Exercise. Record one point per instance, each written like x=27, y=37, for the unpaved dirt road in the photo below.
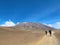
x=47, y=40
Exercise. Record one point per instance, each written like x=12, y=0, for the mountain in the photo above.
x=32, y=26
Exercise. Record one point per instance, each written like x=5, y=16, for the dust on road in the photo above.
x=47, y=40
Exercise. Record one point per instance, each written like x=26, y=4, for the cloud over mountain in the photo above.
x=55, y=25
x=8, y=23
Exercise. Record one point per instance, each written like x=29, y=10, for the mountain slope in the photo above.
x=32, y=26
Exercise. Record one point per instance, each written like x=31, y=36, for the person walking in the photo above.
x=46, y=32
x=50, y=32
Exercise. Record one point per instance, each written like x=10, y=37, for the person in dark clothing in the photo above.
x=46, y=32
x=50, y=32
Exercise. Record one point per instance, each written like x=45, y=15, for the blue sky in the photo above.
x=44, y=11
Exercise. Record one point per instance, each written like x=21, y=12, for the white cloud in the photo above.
x=50, y=25
x=8, y=23
x=55, y=25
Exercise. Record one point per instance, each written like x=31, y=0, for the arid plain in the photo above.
x=12, y=36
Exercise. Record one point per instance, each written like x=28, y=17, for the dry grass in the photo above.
x=9, y=36
x=19, y=37
x=57, y=34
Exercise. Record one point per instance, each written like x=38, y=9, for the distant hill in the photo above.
x=32, y=26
